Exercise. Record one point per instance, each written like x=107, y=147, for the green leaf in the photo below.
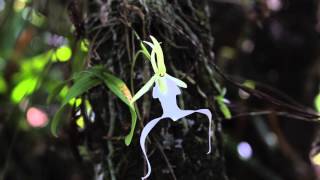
x=133, y=113
x=89, y=78
x=55, y=92
x=56, y=120
x=137, y=55
x=120, y=89
x=144, y=89
x=223, y=107
x=145, y=50
x=81, y=85
x=223, y=92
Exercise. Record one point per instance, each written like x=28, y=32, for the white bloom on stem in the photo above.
x=170, y=110
x=166, y=89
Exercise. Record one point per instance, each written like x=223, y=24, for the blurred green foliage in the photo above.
x=40, y=58
x=34, y=57
x=37, y=52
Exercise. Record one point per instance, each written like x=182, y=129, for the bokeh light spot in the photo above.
x=63, y=53
x=75, y=101
x=36, y=117
x=271, y=139
x=243, y=94
x=24, y=88
x=247, y=46
x=80, y=122
x=316, y=159
x=274, y=5
x=244, y=150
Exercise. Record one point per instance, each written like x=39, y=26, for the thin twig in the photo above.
x=165, y=158
x=268, y=112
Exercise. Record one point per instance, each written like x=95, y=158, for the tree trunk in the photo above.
x=177, y=150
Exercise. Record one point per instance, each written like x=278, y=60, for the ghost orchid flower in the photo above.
x=159, y=68
x=166, y=89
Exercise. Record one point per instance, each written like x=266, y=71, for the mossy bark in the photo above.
x=177, y=150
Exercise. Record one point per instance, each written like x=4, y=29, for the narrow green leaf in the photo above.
x=144, y=89
x=55, y=92
x=225, y=110
x=81, y=85
x=223, y=107
x=57, y=118
x=95, y=71
x=92, y=77
x=137, y=55
x=223, y=92
x=116, y=85
x=145, y=51
x=120, y=89
x=128, y=138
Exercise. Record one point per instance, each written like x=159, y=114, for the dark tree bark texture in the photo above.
x=176, y=150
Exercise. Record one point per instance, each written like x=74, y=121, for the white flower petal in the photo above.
x=179, y=82
x=209, y=115
x=143, y=137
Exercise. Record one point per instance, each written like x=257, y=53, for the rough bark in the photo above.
x=176, y=150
